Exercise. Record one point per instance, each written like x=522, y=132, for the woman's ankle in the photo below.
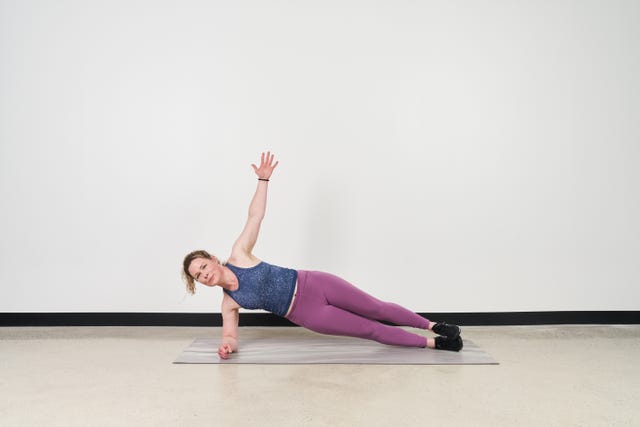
x=430, y=325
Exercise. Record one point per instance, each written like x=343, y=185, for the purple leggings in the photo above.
x=330, y=305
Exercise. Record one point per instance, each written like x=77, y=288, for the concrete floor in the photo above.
x=108, y=376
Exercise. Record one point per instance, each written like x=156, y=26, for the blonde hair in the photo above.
x=186, y=276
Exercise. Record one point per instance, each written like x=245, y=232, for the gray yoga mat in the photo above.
x=323, y=349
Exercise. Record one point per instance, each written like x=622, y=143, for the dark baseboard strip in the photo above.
x=266, y=319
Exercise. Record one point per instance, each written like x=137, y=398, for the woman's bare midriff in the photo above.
x=295, y=290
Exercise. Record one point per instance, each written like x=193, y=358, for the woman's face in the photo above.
x=206, y=271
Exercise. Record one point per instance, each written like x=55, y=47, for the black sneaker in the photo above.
x=447, y=344
x=444, y=329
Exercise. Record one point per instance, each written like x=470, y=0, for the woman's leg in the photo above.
x=330, y=320
x=342, y=294
x=312, y=310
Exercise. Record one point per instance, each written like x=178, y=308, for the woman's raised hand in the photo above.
x=266, y=166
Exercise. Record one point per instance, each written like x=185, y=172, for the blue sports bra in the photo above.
x=264, y=286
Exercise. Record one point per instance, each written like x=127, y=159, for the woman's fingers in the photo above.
x=224, y=350
x=266, y=163
x=270, y=158
x=266, y=159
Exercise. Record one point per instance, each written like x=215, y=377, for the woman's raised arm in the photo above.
x=247, y=239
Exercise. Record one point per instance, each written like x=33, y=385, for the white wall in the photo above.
x=468, y=156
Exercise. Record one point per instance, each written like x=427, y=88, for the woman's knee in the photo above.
x=350, y=326
x=380, y=309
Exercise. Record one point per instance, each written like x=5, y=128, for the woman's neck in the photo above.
x=229, y=280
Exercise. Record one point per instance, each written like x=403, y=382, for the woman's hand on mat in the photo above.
x=224, y=351
x=266, y=165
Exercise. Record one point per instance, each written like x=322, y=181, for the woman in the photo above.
x=318, y=301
